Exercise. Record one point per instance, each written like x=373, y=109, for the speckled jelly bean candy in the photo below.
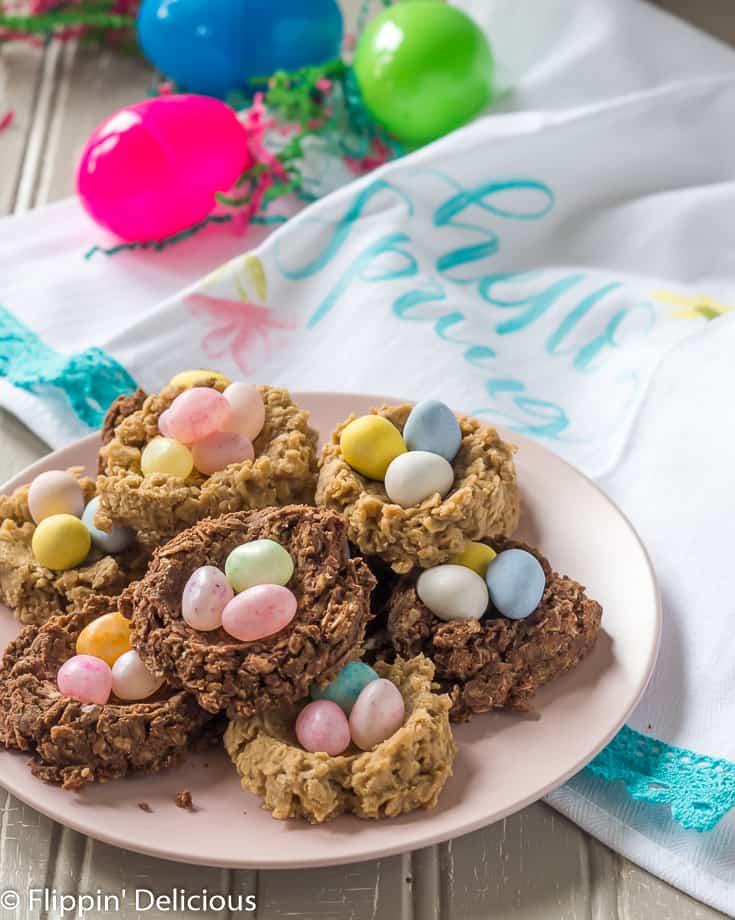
x=369, y=444
x=205, y=596
x=260, y=562
x=322, y=726
x=259, y=612
x=61, y=542
x=86, y=679
x=417, y=475
x=247, y=410
x=432, y=426
x=378, y=713
x=131, y=679
x=116, y=540
x=516, y=583
x=194, y=414
x=107, y=637
x=219, y=450
x=453, y=592
x=55, y=492
x=346, y=686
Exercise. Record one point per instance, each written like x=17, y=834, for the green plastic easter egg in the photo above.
x=423, y=68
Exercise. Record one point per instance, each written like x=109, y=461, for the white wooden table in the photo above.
x=535, y=865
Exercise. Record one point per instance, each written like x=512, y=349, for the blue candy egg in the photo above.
x=516, y=583
x=346, y=686
x=216, y=46
x=432, y=426
x=118, y=539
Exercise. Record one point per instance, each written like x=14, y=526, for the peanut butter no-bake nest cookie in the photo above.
x=76, y=743
x=332, y=591
x=496, y=662
x=36, y=593
x=158, y=506
x=483, y=501
x=405, y=772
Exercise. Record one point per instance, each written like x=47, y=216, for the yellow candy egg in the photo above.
x=107, y=637
x=164, y=455
x=187, y=379
x=369, y=444
x=476, y=556
x=60, y=542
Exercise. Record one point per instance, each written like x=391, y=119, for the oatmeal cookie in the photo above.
x=75, y=743
x=495, y=662
x=332, y=590
x=483, y=501
x=405, y=772
x=36, y=593
x=159, y=506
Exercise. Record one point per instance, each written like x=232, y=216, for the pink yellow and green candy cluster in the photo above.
x=249, y=600
x=205, y=429
x=65, y=530
x=106, y=664
x=357, y=707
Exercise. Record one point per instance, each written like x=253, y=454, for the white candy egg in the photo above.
x=416, y=475
x=453, y=592
x=131, y=679
x=55, y=492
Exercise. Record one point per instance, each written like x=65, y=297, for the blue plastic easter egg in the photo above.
x=432, y=426
x=516, y=582
x=118, y=539
x=217, y=46
x=346, y=686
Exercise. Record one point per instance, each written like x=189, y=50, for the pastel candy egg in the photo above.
x=516, y=582
x=369, y=444
x=55, y=492
x=118, y=539
x=378, y=713
x=85, y=678
x=322, y=726
x=131, y=679
x=107, y=637
x=259, y=612
x=432, y=426
x=60, y=542
x=205, y=596
x=453, y=592
x=476, y=556
x=164, y=455
x=219, y=450
x=416, y=475
x=346, y=686
x=247, y=410
x=194, y=414
x=187, y=379
x=260, y=562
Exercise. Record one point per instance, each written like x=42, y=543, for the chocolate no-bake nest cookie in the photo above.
x=159, y=506
x=483, y=501
x=405, y=772
x=76, y=743
x=36, y=593
x=332, y=590
x=495, y=662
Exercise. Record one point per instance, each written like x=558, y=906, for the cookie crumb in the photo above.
x=184, y=800
x=144, y=806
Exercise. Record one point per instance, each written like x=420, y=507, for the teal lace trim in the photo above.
x=90, y=379
x=699, y=790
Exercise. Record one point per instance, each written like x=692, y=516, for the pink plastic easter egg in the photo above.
x=323, y=726
x=219, y=450
x=205, y=596
x=194, y=414
x=85, y=678
x=247, y=411
x=152, y=169
x=259, y=612
x=378, y=712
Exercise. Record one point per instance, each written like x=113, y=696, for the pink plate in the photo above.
x=504, y=762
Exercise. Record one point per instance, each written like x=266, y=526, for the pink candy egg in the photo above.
x=153, y=168
x=194, y=414
x=205, y=596
x=219, y=450
x=131, y=679
x=259, y=612
x=378, y=713
x=323, y=726
x=247, y=411
x=85, y=678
